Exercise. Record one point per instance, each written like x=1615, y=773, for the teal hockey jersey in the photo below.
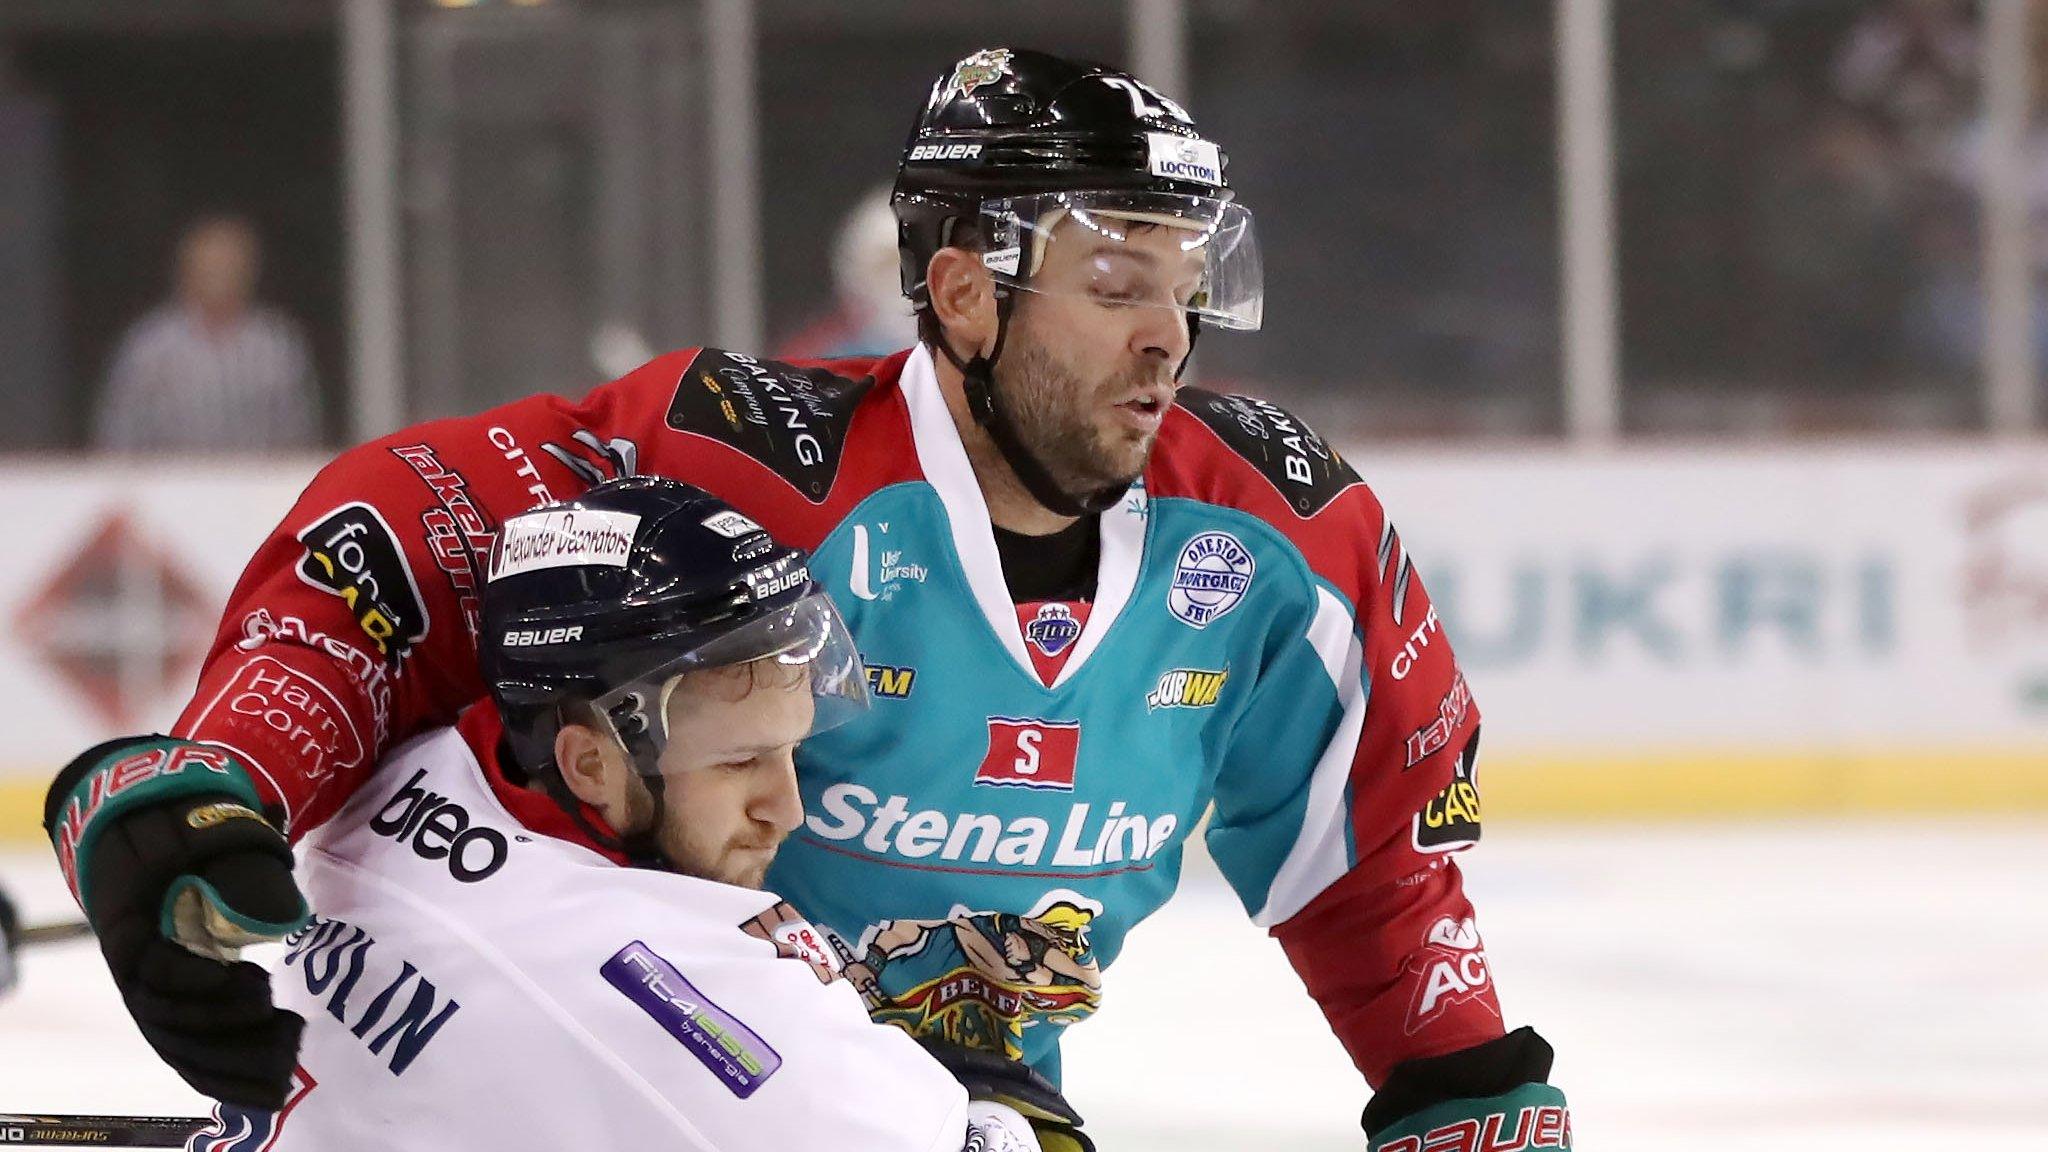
x=1258, y=653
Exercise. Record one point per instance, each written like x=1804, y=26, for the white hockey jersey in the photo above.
x=469, y=983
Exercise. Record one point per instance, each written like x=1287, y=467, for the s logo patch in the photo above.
x=352, y=553
x=1030, y=754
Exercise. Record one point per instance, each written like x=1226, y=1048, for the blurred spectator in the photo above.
x=211, y=369
x=1912, y=64
x=869, y=316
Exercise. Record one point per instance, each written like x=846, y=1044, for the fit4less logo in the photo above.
x=1030, y=754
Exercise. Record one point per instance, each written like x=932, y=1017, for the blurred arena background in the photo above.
x=1697, y=347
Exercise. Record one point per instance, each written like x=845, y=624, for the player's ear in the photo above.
x=584, y=756
x=963, y=295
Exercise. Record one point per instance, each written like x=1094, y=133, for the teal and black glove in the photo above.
x=998, y=1079
x=1491, y=1095
x=166, y=847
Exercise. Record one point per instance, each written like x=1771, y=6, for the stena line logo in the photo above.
x=437, y=828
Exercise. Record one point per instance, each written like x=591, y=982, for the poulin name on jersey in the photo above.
x=851, y=812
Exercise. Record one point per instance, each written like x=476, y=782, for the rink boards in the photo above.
x=1646, y=631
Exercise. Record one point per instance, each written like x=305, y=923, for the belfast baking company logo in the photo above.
x=879, y=572
x=1210, y=578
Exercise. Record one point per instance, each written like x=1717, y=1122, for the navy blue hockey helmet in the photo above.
x=608, y=598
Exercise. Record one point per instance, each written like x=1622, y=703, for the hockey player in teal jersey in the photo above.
x=1095, y=607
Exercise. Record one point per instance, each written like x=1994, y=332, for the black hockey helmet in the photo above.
x=607, y=598
x=1022, y=156
x=1010, y=136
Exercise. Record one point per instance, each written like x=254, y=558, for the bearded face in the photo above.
x=1091, y=431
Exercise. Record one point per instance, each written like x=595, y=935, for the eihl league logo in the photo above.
x=1053, y=629
x=1209, y=579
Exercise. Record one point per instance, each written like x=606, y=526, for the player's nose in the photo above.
x=779, y=804
x=1160, y=333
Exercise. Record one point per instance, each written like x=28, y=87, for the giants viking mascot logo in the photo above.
x=979, y=978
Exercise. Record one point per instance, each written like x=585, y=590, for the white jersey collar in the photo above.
x=943, y=459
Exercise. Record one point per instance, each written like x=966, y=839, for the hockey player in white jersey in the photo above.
x=543, y=927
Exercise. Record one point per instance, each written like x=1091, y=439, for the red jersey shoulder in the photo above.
x=1258, y=444
x=792, y=419
x=792, y=445
x=1252, y=455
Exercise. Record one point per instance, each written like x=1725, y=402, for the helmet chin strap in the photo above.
x=642, y=846
x=978, y=382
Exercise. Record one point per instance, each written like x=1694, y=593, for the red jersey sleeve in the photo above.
x=1341, y=842
x=355, y=625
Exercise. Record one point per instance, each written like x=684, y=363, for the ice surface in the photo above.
x=1800, y=985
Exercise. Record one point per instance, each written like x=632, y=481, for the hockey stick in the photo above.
x=123, y=1131
x=53, y=933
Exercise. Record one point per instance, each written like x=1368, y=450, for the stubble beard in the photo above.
x=1057, y=415
x=721, y=865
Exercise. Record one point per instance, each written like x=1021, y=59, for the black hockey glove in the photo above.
x=10, y=924
x=167, y=850
x=988, y=1076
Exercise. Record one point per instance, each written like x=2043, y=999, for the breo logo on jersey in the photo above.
x=1030, y=754
x=438, y=828
x=1210, y=578
x=353, y=553
x=1450, y=820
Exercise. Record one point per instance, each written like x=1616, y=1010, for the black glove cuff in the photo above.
x=1478, y=1072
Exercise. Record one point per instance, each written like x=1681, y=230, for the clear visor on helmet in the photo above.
x=1130, y=249
x=805, y=646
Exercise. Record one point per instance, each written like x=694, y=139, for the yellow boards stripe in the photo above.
x=1650, y=784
